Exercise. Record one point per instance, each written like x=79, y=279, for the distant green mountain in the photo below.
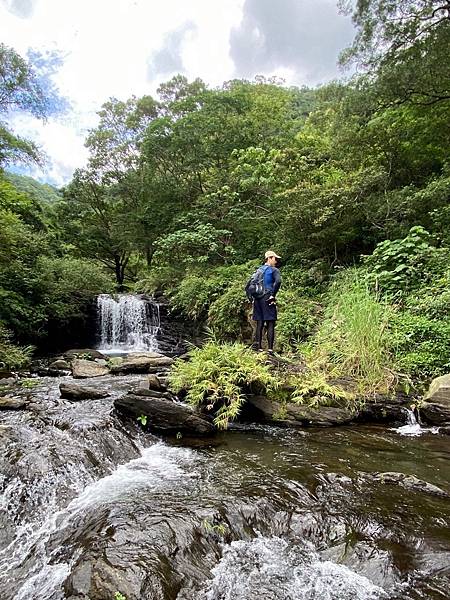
x=42, y=192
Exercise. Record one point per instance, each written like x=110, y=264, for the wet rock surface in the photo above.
x=76, y=391
x=164, y=414
x=84, y=369
x=93, y=504
x=294, y=415
x=12, y=403
x=410, y=482
x=140, y=362
x=84, y=353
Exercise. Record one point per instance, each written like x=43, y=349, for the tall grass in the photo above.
x=354, y=339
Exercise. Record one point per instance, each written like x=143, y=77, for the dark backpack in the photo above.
x=255, y=288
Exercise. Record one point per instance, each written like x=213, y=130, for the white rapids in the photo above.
x=270, y=568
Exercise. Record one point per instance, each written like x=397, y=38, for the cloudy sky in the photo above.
x=125, y=47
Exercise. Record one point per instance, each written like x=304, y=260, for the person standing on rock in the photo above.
x=264, y=302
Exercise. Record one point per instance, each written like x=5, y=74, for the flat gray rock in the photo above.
x=410, y=482
x=164, y=414
x=82, y=369
x=140, y=362
x=439, y=391
x=75, y=391
x=12, y=403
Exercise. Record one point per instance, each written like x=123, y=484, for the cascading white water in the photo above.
x=127, y=323
x=413, y=427
x=272, y=568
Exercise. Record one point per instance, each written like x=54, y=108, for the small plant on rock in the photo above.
x=142, y=420
x=220, y=529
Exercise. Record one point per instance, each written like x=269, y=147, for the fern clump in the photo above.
x=313, y=389
x=218, y=376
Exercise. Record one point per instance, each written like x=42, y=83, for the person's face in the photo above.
x=272, y=261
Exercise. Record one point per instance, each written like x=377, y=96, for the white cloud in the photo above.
x=108, y=46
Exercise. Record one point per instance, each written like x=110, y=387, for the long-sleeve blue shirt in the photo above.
x=272, y=279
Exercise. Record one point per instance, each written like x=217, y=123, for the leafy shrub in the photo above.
x=217, y=376
x=432, y=300
x=11, y=355
x=217, y=296
x=200, y=243
x=305, y=277
x=422, y=344
x=195, y=293
x=228, y=314
x=297, y=318
x=69, y=284
x=401, y=265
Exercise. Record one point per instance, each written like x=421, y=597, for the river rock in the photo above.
x=141, y=362
x=60, y=364
x=439, y=390
x=12, y=403
x=153, y=393
x=6, y=375
x=84, y=353
x=296, y=414
x=75, y=391
x=152, y=382
x=410, y=482
x=87, y=368
x=164, y=414
x=436, y=408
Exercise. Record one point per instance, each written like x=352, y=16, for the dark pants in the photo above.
x=264, y=313
x=270, y=334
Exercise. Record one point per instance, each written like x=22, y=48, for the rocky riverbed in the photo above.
x=93, y=503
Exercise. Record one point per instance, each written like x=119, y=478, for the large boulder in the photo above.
x=163, y=414
x=436, y=406
x=141, y=362
x=82, y=369
x=75, y=391
x=297, y=415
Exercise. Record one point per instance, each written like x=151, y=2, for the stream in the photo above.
x=91, y=505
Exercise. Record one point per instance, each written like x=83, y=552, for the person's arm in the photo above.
x=276, y=281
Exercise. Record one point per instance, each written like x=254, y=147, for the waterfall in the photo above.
x=413, y=426
x=127, y=323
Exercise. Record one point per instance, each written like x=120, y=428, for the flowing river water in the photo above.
x=92, y=506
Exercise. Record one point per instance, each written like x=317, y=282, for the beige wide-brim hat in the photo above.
x=270, y=253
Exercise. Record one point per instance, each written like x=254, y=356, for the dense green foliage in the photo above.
x=183, y=193
x=40, y=192
x=217, y=376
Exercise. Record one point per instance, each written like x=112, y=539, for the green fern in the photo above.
x=218, y=376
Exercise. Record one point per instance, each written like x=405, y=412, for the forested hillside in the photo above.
x=183, y=193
